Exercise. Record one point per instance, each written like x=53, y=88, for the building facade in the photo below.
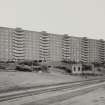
x=19, y=44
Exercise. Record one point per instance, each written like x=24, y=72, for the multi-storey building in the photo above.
x=19, y=44
x=5, y=43
x=55, y=47
x=32, y=43
x=75, y=48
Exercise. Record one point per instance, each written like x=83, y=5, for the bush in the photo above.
x=44, y=68
x=32, y=66
x=64, y=68
x=2, y=67
x=23, y=68
x=87, y=68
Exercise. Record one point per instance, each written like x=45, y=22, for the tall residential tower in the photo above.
x=19, y=44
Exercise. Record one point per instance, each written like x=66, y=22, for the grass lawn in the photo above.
x=17, y=80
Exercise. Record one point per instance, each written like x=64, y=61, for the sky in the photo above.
x=84, y=18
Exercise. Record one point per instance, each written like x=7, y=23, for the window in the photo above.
x=78, y=68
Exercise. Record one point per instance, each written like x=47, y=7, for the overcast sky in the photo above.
x=73, y=17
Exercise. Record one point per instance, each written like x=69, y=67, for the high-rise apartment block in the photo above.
x=19, y=44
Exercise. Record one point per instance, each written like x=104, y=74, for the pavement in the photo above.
x=65, y=97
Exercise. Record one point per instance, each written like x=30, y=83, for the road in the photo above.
x=50, y=95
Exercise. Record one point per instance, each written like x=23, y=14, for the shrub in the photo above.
x=64, y=68
x=44, y=68
x=23, y=68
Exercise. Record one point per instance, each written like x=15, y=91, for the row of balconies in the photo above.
x=18, y=44
x=66, y=47
x=84, y=50
x=44, y=46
